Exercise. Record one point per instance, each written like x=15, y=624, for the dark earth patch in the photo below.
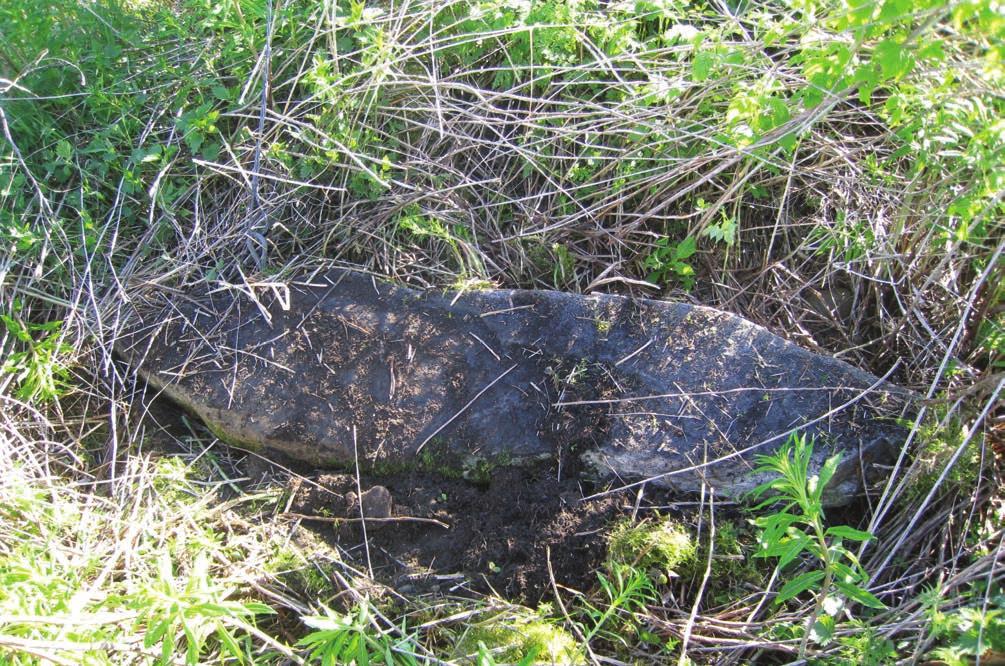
x=499, y=531
x=503, y=549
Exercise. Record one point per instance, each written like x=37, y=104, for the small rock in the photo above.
x=376, y=503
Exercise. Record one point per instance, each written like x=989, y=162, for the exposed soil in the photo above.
x=492, y=538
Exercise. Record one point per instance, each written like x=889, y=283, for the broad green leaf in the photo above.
x=846, y=532
x=823, y=629
x=701, y=66
x=685, y=248
x=64, y=150
x=859, y=595
x=798, y=585
x=793, y=549
x=894, y=59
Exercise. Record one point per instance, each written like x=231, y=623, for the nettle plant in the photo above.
x=796, y=532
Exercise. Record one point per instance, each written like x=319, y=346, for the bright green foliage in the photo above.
x=36, y=356
x=724, y=231
x=668, y=261
x=866, y=647
x=135, y=95
x=661, y=545
x=628, y=589
x=66, y=575
x=353, y=637
x=182, y=613
x=967, y=632
x=519, y=637
x=796, y=529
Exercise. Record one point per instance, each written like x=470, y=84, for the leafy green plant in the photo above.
x=39, y=366
x=724, y=231
x=190, y=610
x=865, y=647
x=970, y=632
x=351, y=637
x=669, y=261
x=797, y=529
x=627, y=590
x=66, y=580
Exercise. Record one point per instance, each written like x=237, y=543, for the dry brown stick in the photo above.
x=394, y=519
x=689, y=627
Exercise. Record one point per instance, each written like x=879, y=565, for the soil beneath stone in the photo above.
x=496, y=538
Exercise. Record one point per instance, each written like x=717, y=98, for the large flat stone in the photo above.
x=609, y=386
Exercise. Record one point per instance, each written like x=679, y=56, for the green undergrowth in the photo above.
x=519, y=636
x=144, y=575
x=832, y=169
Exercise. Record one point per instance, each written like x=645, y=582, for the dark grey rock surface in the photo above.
x=603, y=385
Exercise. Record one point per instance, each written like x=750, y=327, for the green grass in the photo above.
x=143, y=574
x=832, y=170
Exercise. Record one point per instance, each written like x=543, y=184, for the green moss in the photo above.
x=437, y=458
x=513, y=636
x=938, y=439
x=479, y=469
x=660, y=544
x=732, y=564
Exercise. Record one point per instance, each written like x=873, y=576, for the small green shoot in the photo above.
x=627, y=590
x=669, y=261
x=353, y=637
x=38, y=365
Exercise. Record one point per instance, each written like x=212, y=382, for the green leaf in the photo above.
x=155, y=633
x=701, y=66
x=531, y=656
x=846, y=532
x=685, y=248
x=229, y=643
x=859, y=595
x=793, y=549
x=823, y=630
x=64, y=150
x=932, y=50
x=825, y=475
x=894, y=60
x=798, y=585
